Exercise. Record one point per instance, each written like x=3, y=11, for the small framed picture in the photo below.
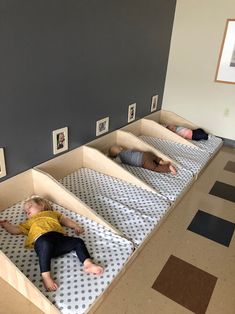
x=131, y=112
x=2, y=164
x=154, y=103
x=225, y=72
x=60, y=140
x=102, y=126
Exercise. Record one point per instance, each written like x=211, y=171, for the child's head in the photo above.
x=35, y=204
x=171, y=127
x=115, y=150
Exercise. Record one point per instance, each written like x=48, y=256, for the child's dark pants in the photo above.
x=54, y=244
x=199, y=134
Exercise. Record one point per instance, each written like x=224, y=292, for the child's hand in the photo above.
x=9, y=227
x=78, y=230
x=3, y=223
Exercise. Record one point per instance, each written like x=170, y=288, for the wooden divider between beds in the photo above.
x=92, y=158
x=153, y=129
x=129, y=141
x=168, y=117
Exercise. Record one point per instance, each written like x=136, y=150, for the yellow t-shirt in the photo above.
x=39, y=224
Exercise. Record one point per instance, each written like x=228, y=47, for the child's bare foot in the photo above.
x=172, y=169
x=164, y=162
x=92, y=268
x=48, y=282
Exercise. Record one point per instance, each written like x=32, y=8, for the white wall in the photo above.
x=190, y=89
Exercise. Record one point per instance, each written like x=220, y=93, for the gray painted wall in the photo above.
x=72, y=62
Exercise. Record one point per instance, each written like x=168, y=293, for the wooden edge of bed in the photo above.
x=152, y=128
x=129, y=141
x=62, y=165
x=169, y=117
x=50, y=188
x=99, y=162
x=12, y=276
x=15, y=189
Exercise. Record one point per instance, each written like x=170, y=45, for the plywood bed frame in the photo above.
x=16, y=289
x=87, y=157
x=166, y=117
x=12, y=279
x=152, y=128
x=128, y=141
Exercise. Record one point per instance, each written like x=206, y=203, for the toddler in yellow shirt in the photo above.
x=45, y=233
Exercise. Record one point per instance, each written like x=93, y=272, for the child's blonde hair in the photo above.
x=46, y=205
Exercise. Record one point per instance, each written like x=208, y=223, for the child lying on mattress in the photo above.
x=188, y=134
x=145, y=160
x=45, y=233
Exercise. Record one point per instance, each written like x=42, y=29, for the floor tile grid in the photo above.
x=227, y=230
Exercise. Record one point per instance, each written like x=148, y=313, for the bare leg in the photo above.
x=90, y=267
x=48, y=282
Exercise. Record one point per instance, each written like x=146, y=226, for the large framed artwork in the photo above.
x=225, y=72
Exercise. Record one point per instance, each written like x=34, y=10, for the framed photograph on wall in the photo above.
x=154, y=103
x=102, y=126
x=131, y=112
x=2, y=164
x=60, y=140
x=225, y=72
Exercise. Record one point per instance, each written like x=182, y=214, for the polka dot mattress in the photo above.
x=132, y=210
x=171, y=186
x=77, y=289
x=189, y=157
x=211, y=145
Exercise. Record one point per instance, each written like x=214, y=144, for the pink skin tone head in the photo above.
x=31, y=208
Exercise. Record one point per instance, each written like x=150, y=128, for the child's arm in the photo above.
x=67, y=222
x=12, y=229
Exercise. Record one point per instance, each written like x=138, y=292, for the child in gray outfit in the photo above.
x=145, y=160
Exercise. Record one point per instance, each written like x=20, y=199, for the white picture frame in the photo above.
x=154, y=103
x=225, y=72
x=60, y=140
x=131, y=113
x=102, y=126
x=2, y=164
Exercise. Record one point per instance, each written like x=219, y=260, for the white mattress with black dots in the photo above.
x=132, y=210
x=190, y=158
x=77, y=290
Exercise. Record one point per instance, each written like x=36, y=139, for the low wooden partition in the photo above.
x=153, y=129
x=127, y=140
x=167, y=117
x=88, y=157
